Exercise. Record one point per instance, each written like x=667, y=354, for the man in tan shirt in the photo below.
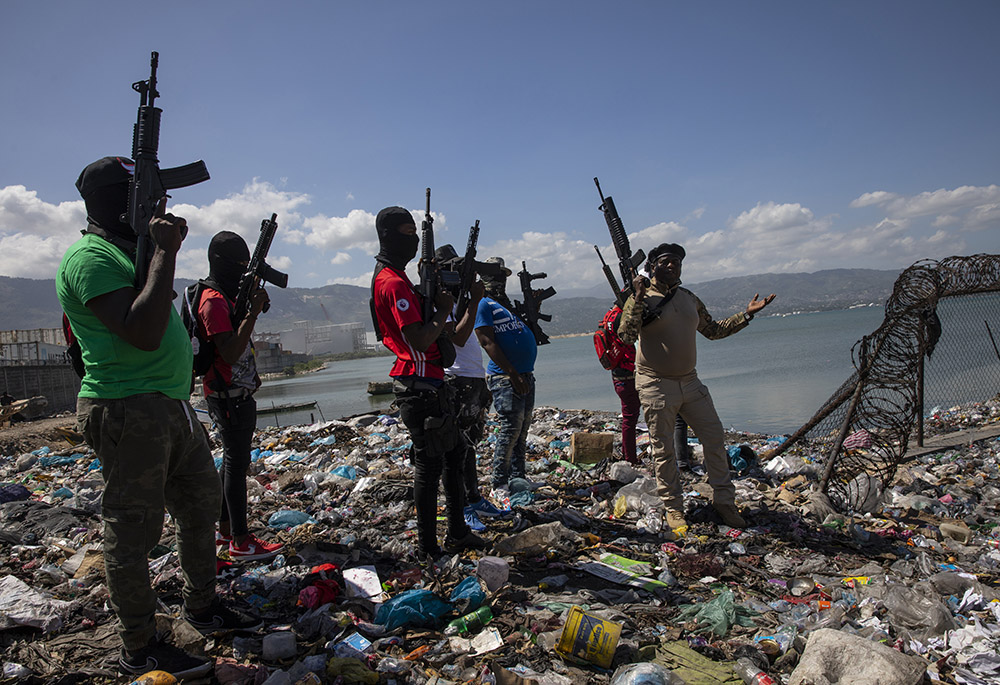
x=662, y=319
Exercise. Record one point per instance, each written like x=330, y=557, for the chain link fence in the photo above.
x=936, y=347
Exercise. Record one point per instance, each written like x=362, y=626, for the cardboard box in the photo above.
x=590, y=448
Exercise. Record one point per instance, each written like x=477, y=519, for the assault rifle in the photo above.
x=628, y=262
x=611, y=279
x=149, y=183
x=258, y=271
x=467, y=272
x=530, y=310
x=427, y=269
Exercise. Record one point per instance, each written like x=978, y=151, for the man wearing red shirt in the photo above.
x=424, y=401
x=229, y=387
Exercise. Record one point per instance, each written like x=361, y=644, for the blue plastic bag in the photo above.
x=288, y=519
x=346, y=471
x=468, y=595
x=741, y=458
x=414, y=607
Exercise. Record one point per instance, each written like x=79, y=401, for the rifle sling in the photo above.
x=653, y=313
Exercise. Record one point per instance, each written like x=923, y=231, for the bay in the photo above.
x=770, y=378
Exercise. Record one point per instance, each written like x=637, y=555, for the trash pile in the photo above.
x=583, y=583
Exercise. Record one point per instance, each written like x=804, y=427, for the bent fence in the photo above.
x=940, y=340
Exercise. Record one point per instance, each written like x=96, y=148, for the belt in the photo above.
x=233, y=394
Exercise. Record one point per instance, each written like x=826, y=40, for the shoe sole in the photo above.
x=214, y=628
x=252, y=557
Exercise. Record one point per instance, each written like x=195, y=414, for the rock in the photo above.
x=833, y=657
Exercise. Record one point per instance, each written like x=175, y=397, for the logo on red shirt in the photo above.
x=402, y=305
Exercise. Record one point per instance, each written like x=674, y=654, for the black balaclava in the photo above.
x=103, y=185
x=395, y=248
x=228, y=256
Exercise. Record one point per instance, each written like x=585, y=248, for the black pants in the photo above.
x=438, y=452
x=472, y=401
x=236, y=419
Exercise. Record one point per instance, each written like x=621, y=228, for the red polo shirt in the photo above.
x=397, y=304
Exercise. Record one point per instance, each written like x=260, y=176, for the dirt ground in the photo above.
x=27, y=436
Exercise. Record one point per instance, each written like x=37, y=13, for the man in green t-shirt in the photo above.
x=133, y=410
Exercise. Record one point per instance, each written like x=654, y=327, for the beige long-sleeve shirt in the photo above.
x=666, y=346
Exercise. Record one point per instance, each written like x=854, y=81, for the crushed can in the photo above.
x=588, y=639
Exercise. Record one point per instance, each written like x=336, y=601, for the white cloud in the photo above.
x=281, y=263
x=984, y=216
x=341, y=258
x=877, y=198
x=34, y=234
x=769, y=217
x=243, y=212
x=355, y=231
x=665, y=232
x=363, y=281
x=936, y=202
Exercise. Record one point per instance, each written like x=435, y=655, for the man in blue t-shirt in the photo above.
x=512, y=349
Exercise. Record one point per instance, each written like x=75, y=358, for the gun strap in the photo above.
x=653, y=313
x=123, y=244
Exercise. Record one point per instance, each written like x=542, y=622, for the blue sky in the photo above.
x=764, y=136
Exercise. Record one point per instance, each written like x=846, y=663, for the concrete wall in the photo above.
x=58, y=383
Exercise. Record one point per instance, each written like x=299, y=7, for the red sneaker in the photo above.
x=222, y=540
x=253, y=549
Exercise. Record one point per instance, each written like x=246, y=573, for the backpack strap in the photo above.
x=379, y=265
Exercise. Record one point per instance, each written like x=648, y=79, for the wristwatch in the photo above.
x=747, y=317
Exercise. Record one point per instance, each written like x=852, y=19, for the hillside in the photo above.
x=27, y=303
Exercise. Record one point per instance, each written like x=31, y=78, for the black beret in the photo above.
x=665, y=248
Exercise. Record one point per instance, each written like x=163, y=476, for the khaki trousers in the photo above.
x=663, y=399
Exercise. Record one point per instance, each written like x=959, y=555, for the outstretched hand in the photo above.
x=756, y=305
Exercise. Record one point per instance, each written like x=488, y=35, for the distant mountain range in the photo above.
x=28, y=303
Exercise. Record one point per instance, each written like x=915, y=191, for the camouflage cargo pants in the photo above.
x=154, y=457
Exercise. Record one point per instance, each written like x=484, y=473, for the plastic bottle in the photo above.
x=470, y=623
x=750, y=674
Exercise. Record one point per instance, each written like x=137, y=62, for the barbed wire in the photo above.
x=861, y=433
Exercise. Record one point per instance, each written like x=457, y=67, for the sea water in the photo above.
x=771, y=377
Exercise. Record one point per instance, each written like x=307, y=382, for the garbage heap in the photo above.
x=582, y=583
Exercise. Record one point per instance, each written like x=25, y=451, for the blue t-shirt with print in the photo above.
x=513, y=337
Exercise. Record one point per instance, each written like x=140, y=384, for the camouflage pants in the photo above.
x=154, y=457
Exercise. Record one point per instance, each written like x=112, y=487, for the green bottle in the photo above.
x=469, y=623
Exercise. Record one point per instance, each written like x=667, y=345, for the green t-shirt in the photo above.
x=115, y=369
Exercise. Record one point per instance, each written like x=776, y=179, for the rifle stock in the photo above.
x=149, y=183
